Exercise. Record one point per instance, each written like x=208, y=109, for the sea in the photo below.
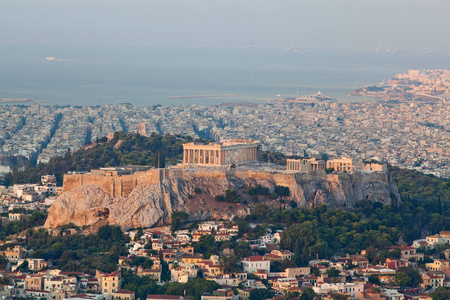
x=150, y=75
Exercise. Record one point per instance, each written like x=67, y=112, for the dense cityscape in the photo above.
x=225, y=150
x=423, y=85
x=413, y=136
x=382, y=253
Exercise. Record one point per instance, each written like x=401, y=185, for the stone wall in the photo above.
x=148, y=198
x=338, y=189
x=113, y=185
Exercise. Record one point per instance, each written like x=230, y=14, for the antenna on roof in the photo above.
x=297, y=91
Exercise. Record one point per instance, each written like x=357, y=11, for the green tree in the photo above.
x=232, y=196
x=243, y=249
x=308, y=294
x=179, y=219
x=110, y=232
x=206, y=245
x=3, y=262
x=139, y=234
x=340, y=297
x=407, y=276
x=333, y=272
x=259, y=294
x=230, y=264
x=440, y=293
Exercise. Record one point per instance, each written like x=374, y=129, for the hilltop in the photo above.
x=121, y=149
x=132, y=149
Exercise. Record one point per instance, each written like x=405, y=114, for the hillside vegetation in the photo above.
x=416, y=185
x=134, y=149
x=122, y=149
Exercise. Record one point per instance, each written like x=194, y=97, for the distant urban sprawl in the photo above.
x=409, y=135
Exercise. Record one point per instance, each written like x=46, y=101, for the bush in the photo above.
x=273, y=196
x=178, y=220
x=232, y=196
x=262, y=190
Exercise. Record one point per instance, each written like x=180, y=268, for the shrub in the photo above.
x=273, y=196
x=220, y=198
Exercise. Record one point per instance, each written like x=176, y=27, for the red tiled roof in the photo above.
x=254, y=258
x=113, y=274
x=70, y=273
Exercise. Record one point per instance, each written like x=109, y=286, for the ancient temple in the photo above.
x=229, y=152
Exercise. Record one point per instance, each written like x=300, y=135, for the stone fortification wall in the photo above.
x=113, y=185
x=306, y=188
x=148, y=198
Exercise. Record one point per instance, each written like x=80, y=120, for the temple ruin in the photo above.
x=305, y=165
x=229, y=152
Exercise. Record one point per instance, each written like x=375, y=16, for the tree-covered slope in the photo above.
x=122, y=149
x=416, y=185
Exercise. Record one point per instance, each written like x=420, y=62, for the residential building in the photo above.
x=254, y=263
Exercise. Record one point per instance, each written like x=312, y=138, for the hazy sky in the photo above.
x=405, y=24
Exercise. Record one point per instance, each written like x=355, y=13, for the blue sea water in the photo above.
x=98, y=75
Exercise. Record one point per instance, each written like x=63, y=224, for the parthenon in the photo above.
x=237, y=151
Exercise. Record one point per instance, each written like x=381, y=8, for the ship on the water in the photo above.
x=317, y=97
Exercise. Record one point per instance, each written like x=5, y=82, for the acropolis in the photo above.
x=339, y=165
x=229, y=152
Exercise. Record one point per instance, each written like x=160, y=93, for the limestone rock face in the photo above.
x=88, y=205
x=85, y=205
x=194, y=192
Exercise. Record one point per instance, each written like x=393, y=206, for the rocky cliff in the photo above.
x=193, y=191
